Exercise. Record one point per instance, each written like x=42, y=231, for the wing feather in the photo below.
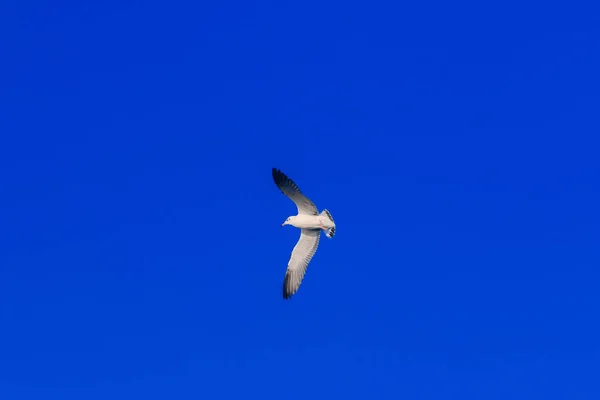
x=291, y=190
x=303, y=252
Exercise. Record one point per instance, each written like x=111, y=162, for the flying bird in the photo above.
x=311, y=222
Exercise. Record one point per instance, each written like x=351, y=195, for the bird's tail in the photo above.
x=331, y=230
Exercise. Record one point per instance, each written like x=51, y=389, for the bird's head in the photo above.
x=288, y=221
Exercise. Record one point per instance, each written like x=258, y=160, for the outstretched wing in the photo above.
x=291, y=190
x=301, y=255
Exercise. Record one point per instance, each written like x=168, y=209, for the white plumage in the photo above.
x=311, y=222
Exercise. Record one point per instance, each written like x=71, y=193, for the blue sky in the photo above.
x=141, y=249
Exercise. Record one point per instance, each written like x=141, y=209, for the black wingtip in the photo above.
x=287, y=294
x=277, y=173
x=280, y=179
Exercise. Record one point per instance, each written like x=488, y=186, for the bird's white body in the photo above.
x=304, y=221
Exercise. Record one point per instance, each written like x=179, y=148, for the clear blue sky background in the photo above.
x=141, y=247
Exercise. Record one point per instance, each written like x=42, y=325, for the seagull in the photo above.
x=311, y=222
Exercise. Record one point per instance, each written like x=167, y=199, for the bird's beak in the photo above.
x=283, y=224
